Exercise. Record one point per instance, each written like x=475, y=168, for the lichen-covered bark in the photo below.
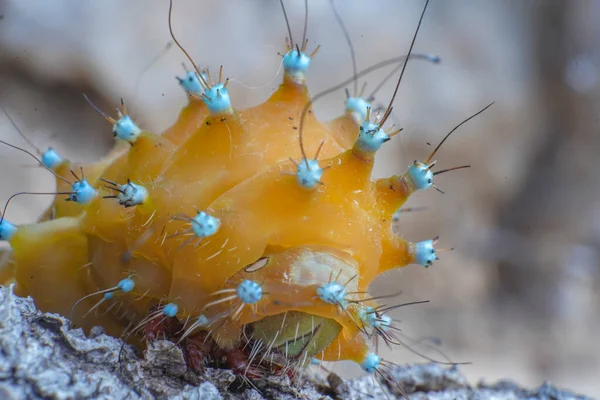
x=42, y=358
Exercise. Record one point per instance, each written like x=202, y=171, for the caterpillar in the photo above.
x=247, y=237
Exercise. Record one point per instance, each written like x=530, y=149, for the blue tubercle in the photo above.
x=433, y=58
x=357, y=107
x=383, y=322
x=370, y=138
x=371, y=362
x=420, y=175
x=131, y=194
x=191, y=83
x=202, y=320
x=125, y=129
x=424, y=253
x=309, y=173
x=126, y=285
x=295, y=62
x=217, y=99
x=333, y=293
x=249, y=292
x=7, y=230
x=50, y=158
x=82, y=192
x=109, y=295
x=170, y=310
x=204, y=225
x=368, y=316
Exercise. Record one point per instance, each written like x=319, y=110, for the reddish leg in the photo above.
x=196, y=349
x=238, y=361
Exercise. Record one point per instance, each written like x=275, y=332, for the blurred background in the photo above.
x=520, y=295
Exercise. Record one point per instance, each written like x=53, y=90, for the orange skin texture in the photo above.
x=188, y=122
x=344, y=130
x=235, y=167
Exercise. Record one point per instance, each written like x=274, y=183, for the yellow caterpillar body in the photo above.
x=260, y=225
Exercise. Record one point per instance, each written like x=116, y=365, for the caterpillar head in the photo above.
x=308, y=301
x=294, y=335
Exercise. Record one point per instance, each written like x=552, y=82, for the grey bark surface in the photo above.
x=42, y=358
